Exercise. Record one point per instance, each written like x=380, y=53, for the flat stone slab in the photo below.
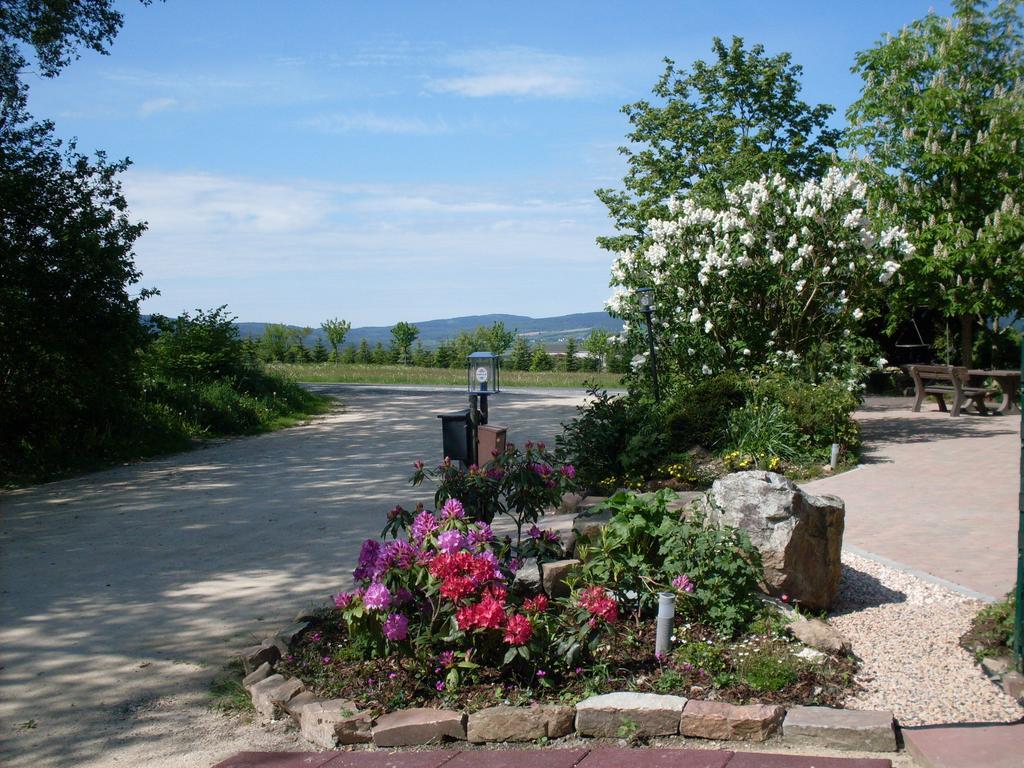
x=409, y=727
x=655, y=758
x=753, y=760
x=966, y=746
x=335, y=721
x=505, y=723
x=614, y=715
x=283, y=760
x=718, y=720
x=864, y=730
x=535, y=758
x=554, y=574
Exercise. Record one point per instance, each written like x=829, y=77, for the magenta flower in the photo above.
x=399, y=554
x=377, y=597
x=370, y=564
x=344, y=599
x=424, y=524
x=480, y=535
x=453, y=509
x=682, y=583
x=439, y=685
x=569, y=471
x=447, y=659
x=451, y=542
x=395, y=627
x=534, y=532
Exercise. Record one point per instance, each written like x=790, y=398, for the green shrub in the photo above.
x=699, y=412
x=822, y=412
x=645, y=546
x=765, y=430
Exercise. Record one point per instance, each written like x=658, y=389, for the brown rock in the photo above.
x=587, y=526
x=570, y=503
x=615, y=715
x=862, y=730
x=408, y=727
x=1013, y=684
x=264, y=653
x=819, y=634
x=504, y=723
x=338, y=721
x=799, y=535
x=262, y=672
x=718, y=720
x=553, y=576
x=296, y=704
x=271, y=694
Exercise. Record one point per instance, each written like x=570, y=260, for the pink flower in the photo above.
x=453, y=509
x=439, y=685
x=447, y=659
x=423, y=525
x=682, y=583
x=395, y=627
x=569, y=471
x=451, y=542
x=377, y=597
x=600, y=605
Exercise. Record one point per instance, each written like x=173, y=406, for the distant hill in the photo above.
x=551, y=331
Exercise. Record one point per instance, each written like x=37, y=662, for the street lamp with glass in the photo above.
x=646, y=298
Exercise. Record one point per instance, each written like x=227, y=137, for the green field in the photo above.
x=342, y=373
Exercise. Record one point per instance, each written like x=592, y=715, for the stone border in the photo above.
x=622, y=714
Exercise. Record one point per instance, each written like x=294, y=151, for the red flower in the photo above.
x=600, y=604
x=537, y=604
x=489, y=613
x=457, y=587
x=518, y=630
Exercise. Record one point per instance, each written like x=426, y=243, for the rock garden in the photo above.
x=457, y=629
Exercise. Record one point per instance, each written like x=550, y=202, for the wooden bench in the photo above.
x=942, y=380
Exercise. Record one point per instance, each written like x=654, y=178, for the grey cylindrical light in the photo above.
x=666, y=617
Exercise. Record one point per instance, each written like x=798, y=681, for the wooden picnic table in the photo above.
x=1008, y=381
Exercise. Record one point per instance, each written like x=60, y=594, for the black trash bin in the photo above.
x=456, y=435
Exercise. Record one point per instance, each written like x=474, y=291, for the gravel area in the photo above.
x=906, y=631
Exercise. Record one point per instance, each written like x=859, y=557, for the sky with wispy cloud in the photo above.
x=405, y=160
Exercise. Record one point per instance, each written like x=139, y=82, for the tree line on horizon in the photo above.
x=287, y=344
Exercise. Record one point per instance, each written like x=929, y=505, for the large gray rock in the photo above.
x=616, y=715
x=527, y=579
x=554, y=575
x=819, y=634
x=800, y=536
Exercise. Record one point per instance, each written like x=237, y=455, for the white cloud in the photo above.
x=152, y=106
x=514, y=71
x=369, y=122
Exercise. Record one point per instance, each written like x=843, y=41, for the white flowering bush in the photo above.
x=783, y=277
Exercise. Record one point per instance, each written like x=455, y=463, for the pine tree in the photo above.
x=364, y=356
x=571, y=363
x=320, y=354
x=541, y=360
x=519, y=358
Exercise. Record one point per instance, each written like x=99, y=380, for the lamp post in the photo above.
x=646, y=298
x=483, y=371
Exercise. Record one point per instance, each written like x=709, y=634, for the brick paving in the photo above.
x=546, y=758
x=935, y=493
x=967, y=746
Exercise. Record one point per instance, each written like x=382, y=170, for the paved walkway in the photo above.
x=935, y=493
x=547, y=758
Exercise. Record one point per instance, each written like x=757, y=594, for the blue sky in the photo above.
x=385, y=161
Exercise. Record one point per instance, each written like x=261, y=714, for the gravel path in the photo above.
x=906, y=632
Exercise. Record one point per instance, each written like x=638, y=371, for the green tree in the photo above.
x=336, y=331
x=348, y=354
x=939, y=129
x=364, y=355
x=421, y=356
x=519, y=359
x=445, y=355
x=571, y=363
x=320, y=353
x=714, y=126
x=275, y=342
x=540, y=360
x=380, y=356
x=403, y=335
x=69, y=330
x=597, y=345
x=497, y=339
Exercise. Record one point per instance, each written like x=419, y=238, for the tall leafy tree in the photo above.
x=403, y=335
x=69, y=328
x=336, y=330
x=711, y=127
x=939, y=129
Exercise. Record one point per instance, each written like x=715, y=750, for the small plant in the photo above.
x=766, y=671
x=629, y=731
x=763, y=430
x=991, y=631
x=227, y=695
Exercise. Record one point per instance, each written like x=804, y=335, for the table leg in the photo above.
x=1011, y=395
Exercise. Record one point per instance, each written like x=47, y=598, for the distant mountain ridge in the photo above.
x=549, y=330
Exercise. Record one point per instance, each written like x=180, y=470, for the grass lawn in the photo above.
x=408, y=374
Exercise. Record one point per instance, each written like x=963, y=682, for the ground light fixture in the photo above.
x=645, y=296
x=483, y=379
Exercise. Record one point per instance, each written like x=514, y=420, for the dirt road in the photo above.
x=124, y=591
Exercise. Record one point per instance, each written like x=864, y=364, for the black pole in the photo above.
x=474, y=421
x=654, y=355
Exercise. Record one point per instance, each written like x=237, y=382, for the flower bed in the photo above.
x=442, y=617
